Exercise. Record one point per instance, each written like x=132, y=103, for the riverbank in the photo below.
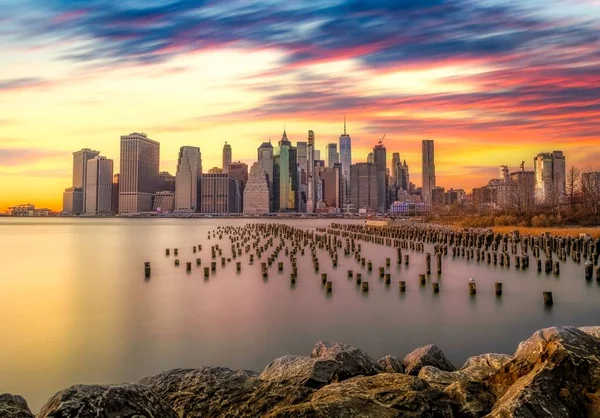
x=556, y=371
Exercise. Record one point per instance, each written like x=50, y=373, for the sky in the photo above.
x=490, y=81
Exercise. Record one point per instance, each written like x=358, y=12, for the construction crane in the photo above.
x=380, y=142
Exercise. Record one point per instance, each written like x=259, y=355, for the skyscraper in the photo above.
x=405, y=178
x=363, y=186
x=265, y=157
x=220, y=194
x=332, y=186
x=256, y=194
x=99, y=183
x=346, y=161
x=226, y=157
x=332, y=155
x=310, y=175
x=239, y=172
x=428, y=171
x=188, y=180
x=285, y=173
x=74, y=197
x=370, y=158
x=139, y=172
x=380, y=160
x=397, y=169
x=550, y=177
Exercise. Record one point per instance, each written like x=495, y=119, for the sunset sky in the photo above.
x=491, y=81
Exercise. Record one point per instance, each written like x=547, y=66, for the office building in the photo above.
x=99, y=184
x=332, y=155
x=405, y=178
x=363, y=186
x=114, y=203
x=239, y=172
x=188, y=180
x=346, y=161
x=80, y=160
x=550, y=177
x=265, y=157
x=310, y=173
x=226, y=157
x=428, y=171
x=256, y=194
x=397, y=170
x=138, y=178
x=380, y=160
x=166, y=182
x=220, y=194
x=285, y=176
x=332, y=186
x=164, y=201
x=73, y=201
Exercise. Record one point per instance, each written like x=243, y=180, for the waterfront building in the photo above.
x=346, y=161
x=332, y=155
x=114, y=203
x=220, y=194
x=227, y=154
x=550, y=177
x=310, y=173
x=80, y=160
x=380, y=160
x=73, y=201
x=138, y=178
x=99, y=184
x=188, y=180
x=428, y=170
x=265, y=157
x=364, y=186
x=28, y=210
x=409, y=208
x=257, y=197
x=164, y=201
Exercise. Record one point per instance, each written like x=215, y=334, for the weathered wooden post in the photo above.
x=428, y=263
x=238, y=266
x=589, y=266
x=213, y=266
x=472, y=288
x=498, y=288
x=422, y=279
x=176, y=262
x=406, y=260
x=402, y=286
x=167, y=252
x=188, y=266
x=381, y=272
x=324, y=277
x=548, y=299
x=147, y=269
x=439, y=263
x=388, y=278
x=206, y=271
x=436, y=287
x=176, y=251
x=365, y=286
x=329, y=287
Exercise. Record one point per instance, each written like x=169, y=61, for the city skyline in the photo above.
x=487, y=80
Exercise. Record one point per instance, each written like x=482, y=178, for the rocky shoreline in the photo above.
x=554, y=373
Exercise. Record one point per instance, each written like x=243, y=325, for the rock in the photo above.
x=352, y=361
x=556, y=372
x=595, y=331
x=391, y=364
x=383, y=395
x=439, y=379
x=301, y=371
x=469, y=399
x=430, y=355
x=127, y=400
x=222, y=392
x=14, y=406
x=479, y=368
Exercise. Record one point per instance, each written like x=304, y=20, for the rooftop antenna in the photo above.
x=344, y=124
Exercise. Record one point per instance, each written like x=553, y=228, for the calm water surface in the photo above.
x=75, y=308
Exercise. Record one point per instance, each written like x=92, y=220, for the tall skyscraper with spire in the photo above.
x=226, y=157
x=346, y=161
x=285, y=176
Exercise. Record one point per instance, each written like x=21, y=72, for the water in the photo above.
x=75, y=308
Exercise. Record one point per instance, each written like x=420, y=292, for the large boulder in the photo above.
x=469, y=399
x=384, y=395
x=556, y=372
x=430, y=355
x=14, y=406
x=595, y=331
x=301, y=371
x=222, y=392
x=439, y=379
x=127, y=400
x=479, y=368
x=391, y=364
x=352, y=361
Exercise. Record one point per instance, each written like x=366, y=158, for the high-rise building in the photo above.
x=363, y=186
x=188, y=180
x=80, y=159
x=397, y=169
x=115, y=194
x=285, y=176
x=239, y=172
x=302, y=160
x=380, y=160
x=73, y=201
x=220, y=194
x=428, y=171
x=138, y=178
x=332, y=186
x=166, y=182
x=317, y=155
x=405, y=178
x=346, y=161
x=226, y=157
x=550, y=177
x=164, y=201
x=256, y=194
x=99, y=184
x=332, y=155
x=310, y=175
x=265, y=157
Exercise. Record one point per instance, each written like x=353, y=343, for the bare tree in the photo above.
x=573, y=187
x=590, y=190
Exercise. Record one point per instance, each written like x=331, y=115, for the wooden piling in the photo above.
x=548, y=300
x=402, y=286
x=329, y=287
x=365, y=286
x=472, y=288
x=498, y=288
x=188, y=266
x=436, y=287
x=147, y=269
